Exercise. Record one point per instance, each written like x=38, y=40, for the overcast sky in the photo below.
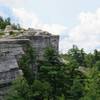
x=76, y=21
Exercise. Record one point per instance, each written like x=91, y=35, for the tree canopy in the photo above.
x=53, y=79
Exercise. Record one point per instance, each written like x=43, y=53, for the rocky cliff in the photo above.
x=11, y=49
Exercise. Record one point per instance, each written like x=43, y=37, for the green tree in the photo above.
x=27, y=64
x=61, y=76
x=52, y=79
x=90, y=61
x=75, y=80
x=92, y=85
x=29, y=88
x=20, y=90
x=7, y=21
x=53, y=71
x=78, y=55
x=2, y=23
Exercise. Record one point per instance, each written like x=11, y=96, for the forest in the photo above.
x=71, y=76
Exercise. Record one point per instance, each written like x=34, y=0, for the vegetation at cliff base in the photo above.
x=71, y=76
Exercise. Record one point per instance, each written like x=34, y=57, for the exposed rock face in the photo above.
x=40, y=42
x=8, y=28
x=12, y=49
x=36, y=32
x=9, y=70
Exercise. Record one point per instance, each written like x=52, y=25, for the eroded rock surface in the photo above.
x=11, y=50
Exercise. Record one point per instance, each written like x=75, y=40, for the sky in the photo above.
x=75, y=21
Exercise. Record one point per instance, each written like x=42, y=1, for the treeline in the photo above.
x=82, y=58
x=7, y=21
x=71, y=76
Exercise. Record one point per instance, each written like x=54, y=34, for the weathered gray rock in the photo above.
x=11, y=50
x=8, y=28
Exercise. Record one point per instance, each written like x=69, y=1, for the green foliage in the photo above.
x=12, y=33
x=51, y=56
x=7, y=21
x=96, y=55
x=78, y=55
x=53, y=72
x=89, y=59
x=4, y=22
x=97, y=65
x=1, y=33
x=92, y=86
x=41, y=89
x=21, y=90
x=29, y=88
x=16, y=27
x=60, y=76
x=52, y=79
x=27, y=63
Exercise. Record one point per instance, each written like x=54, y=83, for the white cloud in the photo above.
x=26, y=19
x=2, y=14
x=14, y=3
x=29, y=19
x=87, y=33
x=53, y=28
